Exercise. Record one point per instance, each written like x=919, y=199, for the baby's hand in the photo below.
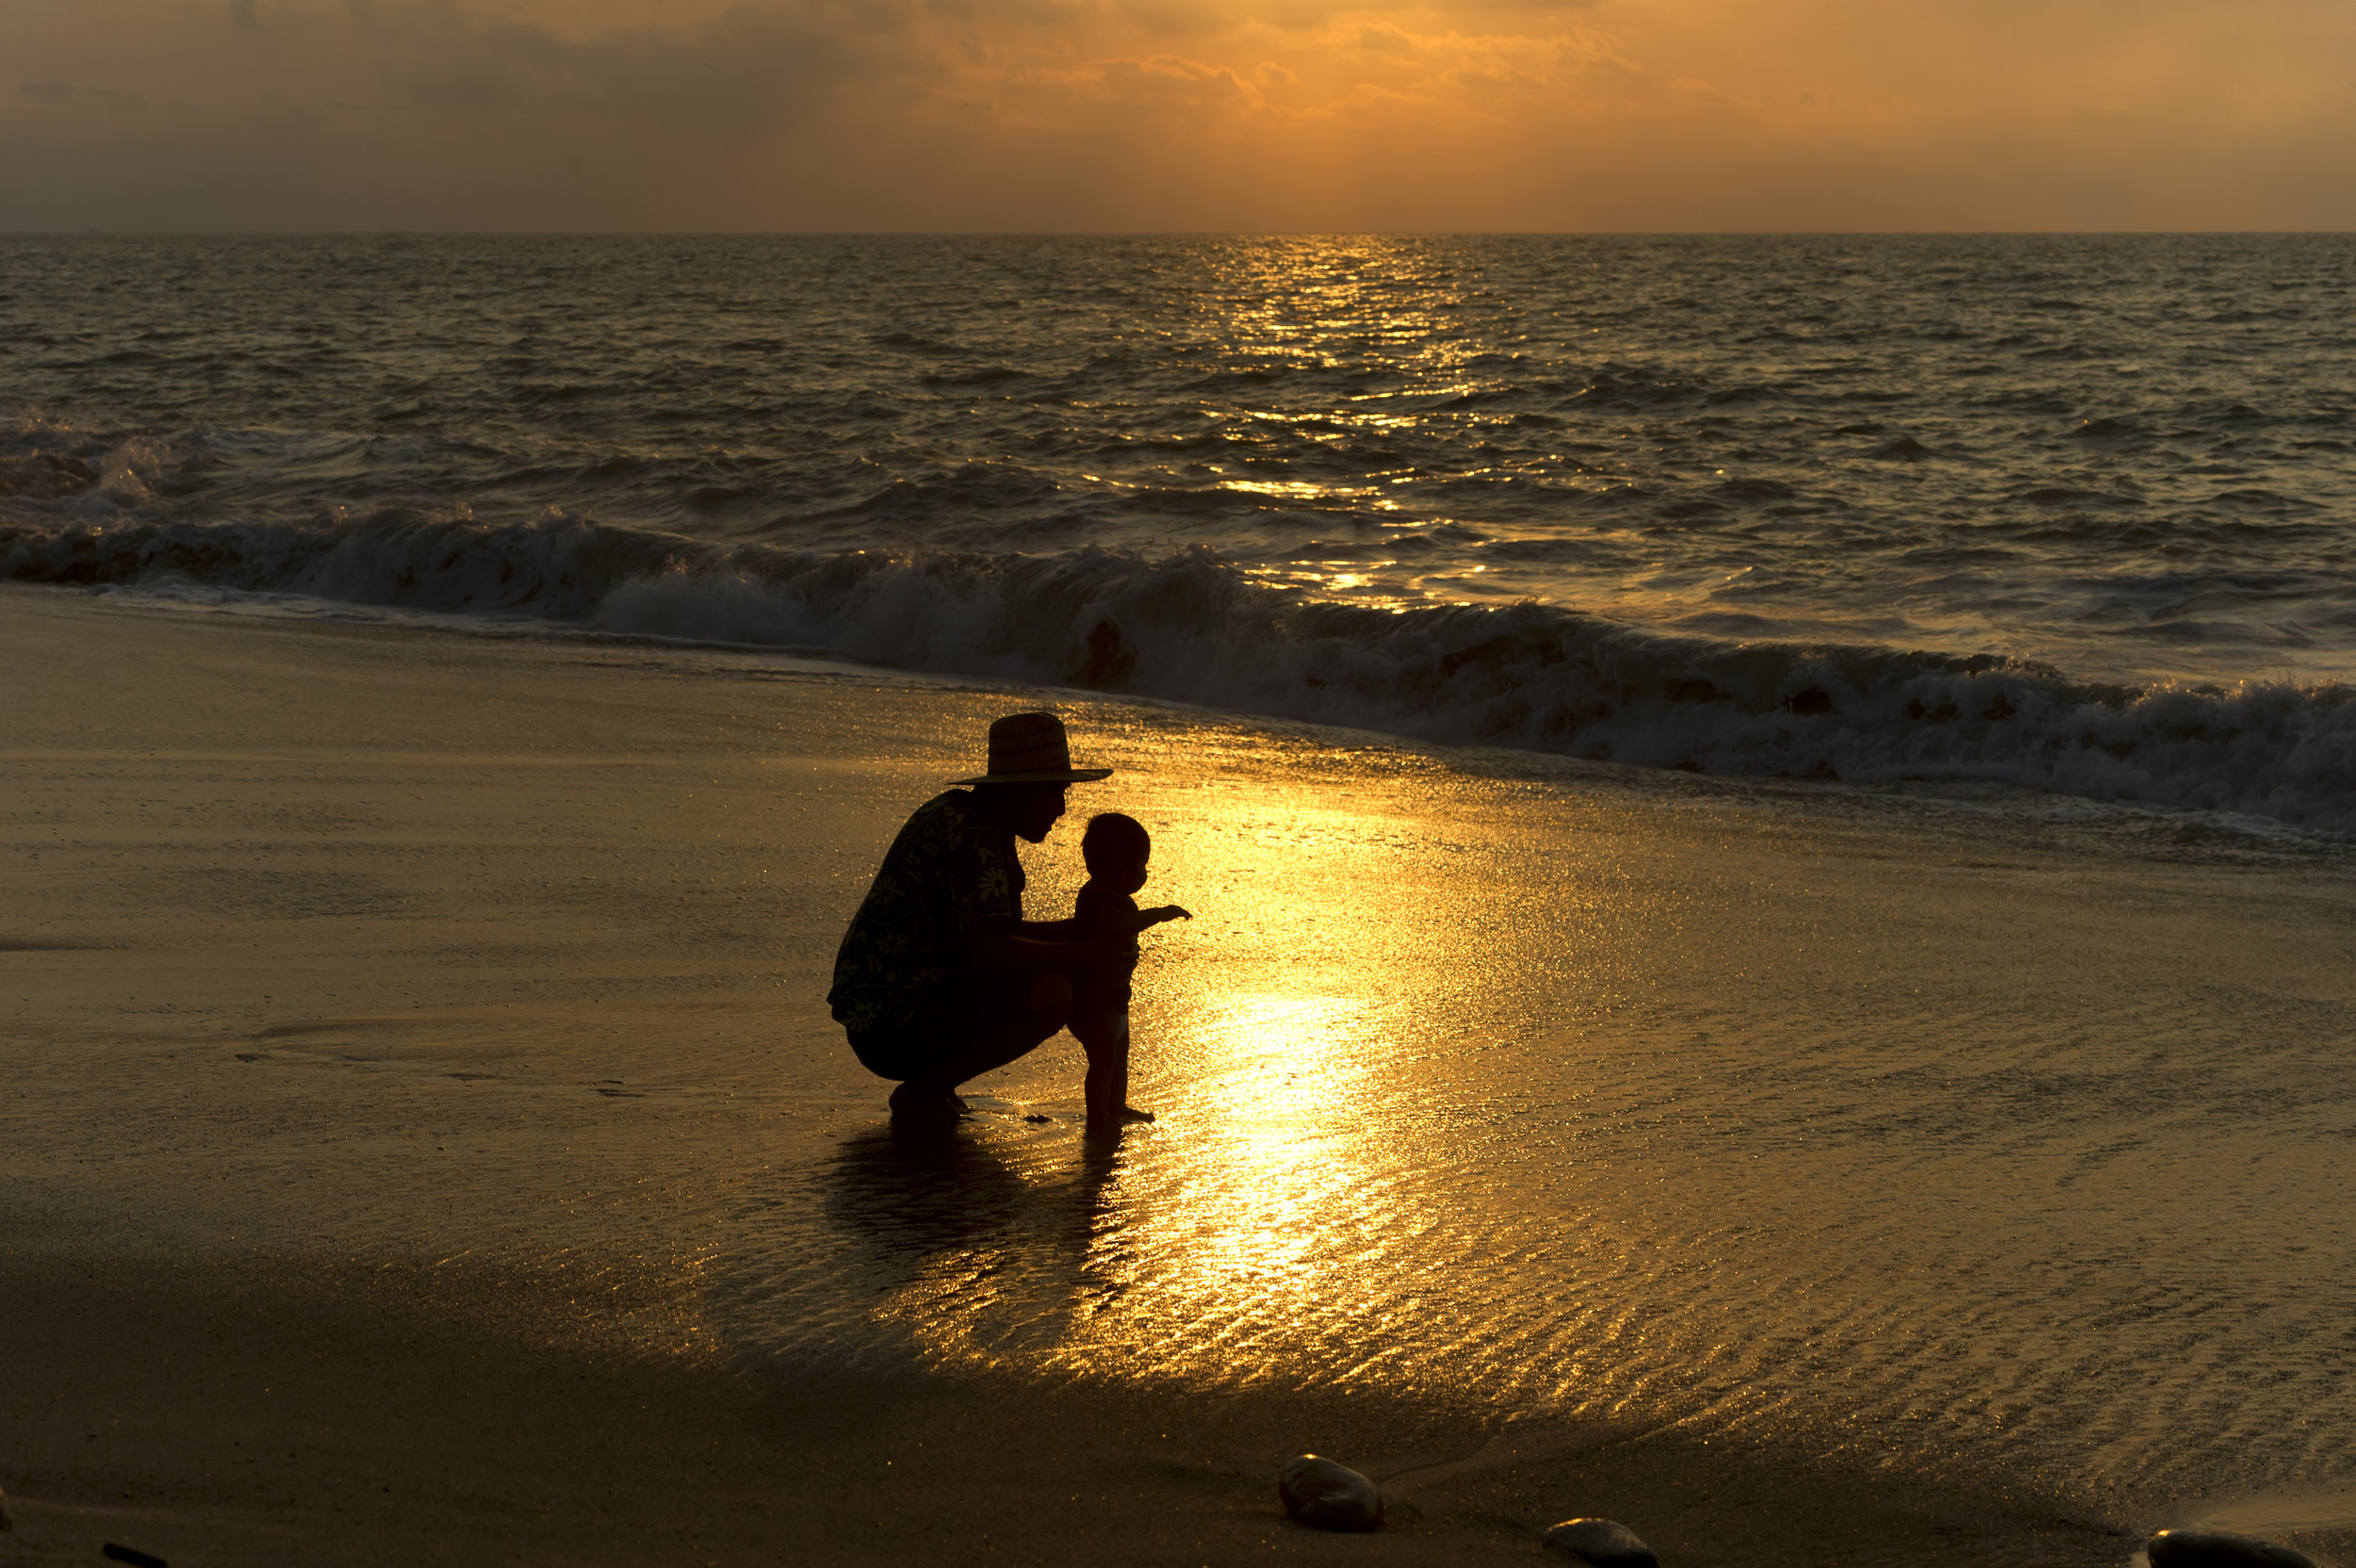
x=1155, y=917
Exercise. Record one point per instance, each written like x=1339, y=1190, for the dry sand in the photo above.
x=332, y=960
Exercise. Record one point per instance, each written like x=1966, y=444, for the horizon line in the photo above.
x=396, y=231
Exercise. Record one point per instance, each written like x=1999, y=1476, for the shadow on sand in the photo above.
x=910, y=1192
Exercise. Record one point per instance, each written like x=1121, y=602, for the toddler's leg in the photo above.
x=1103, y=1030
x=1105, y=1039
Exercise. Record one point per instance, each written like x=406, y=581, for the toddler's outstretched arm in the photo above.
x=1155, y=917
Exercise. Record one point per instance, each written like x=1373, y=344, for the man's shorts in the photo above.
x=957, y=1014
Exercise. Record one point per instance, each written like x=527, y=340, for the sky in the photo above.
x=1177, y=115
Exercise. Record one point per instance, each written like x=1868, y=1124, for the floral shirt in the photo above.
x=948, y=872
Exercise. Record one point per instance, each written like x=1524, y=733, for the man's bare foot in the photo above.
x=1130, y=1113
x=912, y=1100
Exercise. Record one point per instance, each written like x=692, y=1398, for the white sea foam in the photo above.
x=1189, y=628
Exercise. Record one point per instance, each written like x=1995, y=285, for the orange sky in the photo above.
x=1178, y=114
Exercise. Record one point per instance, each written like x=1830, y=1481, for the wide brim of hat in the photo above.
x=1044, y=775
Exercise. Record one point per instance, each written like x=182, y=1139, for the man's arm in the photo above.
x=1027, y=946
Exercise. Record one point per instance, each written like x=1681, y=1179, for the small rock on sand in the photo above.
x=115, y=1552
x=2216, y=1549
x=1329, y=1496
x=1605, y=1543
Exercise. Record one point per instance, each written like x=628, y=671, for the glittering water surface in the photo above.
x=1965, y=506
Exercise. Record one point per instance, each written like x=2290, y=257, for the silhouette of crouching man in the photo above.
x=939, y=979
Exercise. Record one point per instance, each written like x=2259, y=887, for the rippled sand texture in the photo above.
x=1981, y=1137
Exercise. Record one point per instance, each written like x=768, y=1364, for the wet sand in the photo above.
x=400, y=1026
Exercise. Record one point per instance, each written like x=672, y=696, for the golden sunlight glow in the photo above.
x=1176, y=115
x=1335, y=937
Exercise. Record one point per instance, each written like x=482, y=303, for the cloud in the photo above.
x=755, y=66
x=1160, y=114
x=1170, y=79
x=1173, y=18
x=1477, y=81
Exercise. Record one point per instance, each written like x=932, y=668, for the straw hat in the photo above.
x=1030, y=748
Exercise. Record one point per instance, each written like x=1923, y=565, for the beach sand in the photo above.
x=322, y=1414
x=416, y=1041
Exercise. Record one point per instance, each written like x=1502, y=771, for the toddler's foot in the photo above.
x=1110, y=1126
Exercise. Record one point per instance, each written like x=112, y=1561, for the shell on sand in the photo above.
x=1605, y=1543
x=2217, y=1549
x=1329, y=1496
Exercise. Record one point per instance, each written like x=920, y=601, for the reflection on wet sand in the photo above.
x=972, y=1256
x=911, y=1189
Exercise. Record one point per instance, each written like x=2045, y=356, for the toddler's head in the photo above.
x=1116, y=848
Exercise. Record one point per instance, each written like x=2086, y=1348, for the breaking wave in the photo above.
x=1190, y=628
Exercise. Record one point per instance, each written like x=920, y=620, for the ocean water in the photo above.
x=2070, y=514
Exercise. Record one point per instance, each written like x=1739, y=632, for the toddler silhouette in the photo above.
x=1116, y=848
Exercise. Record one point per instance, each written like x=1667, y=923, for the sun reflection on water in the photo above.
x=1264, y=310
